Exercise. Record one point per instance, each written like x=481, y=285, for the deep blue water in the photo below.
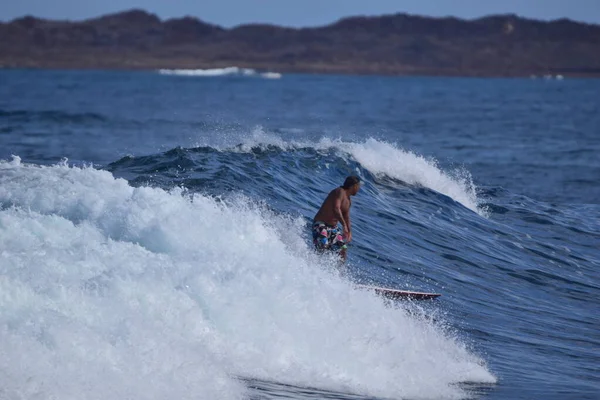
x=195, y=277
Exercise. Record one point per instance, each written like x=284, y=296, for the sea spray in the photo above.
x=114, y=291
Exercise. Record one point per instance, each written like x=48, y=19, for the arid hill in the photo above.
x=502, y=45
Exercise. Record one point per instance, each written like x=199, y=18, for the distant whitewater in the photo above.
x=213, y=72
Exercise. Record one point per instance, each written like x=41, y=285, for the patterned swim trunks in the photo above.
x=327, y=237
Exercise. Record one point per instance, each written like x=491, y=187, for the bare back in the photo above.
x=335, y=208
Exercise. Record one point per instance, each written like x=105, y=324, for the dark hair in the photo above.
x=351, y=181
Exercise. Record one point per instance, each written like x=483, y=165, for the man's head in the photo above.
x=352, y=185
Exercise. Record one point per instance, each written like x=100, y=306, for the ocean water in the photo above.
x=155, y=244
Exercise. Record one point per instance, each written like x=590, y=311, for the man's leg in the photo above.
x=343, y=255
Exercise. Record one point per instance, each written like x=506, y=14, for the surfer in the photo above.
x=335, y=210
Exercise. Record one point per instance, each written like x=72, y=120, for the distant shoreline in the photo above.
x=280, y=74
x=406, y=45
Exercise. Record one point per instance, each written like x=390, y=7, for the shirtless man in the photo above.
x=335, y=209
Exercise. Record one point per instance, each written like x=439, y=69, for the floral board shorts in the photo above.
x=327, y=237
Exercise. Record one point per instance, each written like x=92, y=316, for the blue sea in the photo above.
x=155, y=236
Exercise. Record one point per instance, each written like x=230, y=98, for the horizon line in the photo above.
x=162, y=20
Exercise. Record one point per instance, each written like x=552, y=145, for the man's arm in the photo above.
x=348, y=226
x=337, y=210
x=343, y=215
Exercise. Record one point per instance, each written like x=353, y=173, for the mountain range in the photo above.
x=499, y=45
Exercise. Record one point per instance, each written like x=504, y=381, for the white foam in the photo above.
x=110, y=291
x=271, y=75
x=385, y=158
x=212, y=72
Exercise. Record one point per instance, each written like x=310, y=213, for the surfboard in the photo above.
x=396, y=294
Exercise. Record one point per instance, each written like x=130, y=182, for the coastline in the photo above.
x=494, y=46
